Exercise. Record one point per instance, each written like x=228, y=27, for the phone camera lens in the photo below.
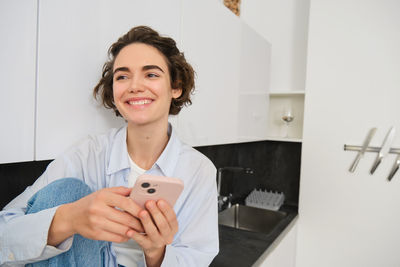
x=145, y=185
x=151, y=190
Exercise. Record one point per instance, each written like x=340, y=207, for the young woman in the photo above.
x=89, y=220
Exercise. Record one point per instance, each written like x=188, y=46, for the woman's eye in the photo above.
x=152, y=75
x=120, y=77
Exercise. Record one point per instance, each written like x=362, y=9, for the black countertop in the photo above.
x=242, y=248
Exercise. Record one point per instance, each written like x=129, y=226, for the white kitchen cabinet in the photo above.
x=57, y=108
x=285, y=24
x=211, y=41
x=282, y=252
x=254, y=83
x=350, y=219
x=231, y=60
x=74, y=38
x=17, y=75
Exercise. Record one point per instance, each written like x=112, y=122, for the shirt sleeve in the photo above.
x=197, y=242
x=23, y=237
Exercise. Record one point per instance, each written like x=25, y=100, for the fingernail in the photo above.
x=150, y=204
x=161, y=203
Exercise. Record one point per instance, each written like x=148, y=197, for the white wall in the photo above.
x=353, y=84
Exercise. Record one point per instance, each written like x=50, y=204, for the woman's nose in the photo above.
x=136, y=85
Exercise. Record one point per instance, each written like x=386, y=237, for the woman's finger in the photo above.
x=120, y=190
x=112, y=227
x=160, y=221
x=113, y=199
x=124, y=218
x=141, y=238
x=169, y=214
x=111, y=237
x=151, y=230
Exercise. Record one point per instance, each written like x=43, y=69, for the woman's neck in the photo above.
x=146, y=143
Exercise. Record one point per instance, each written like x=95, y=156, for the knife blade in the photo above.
x=360, y=154
x=387, y=143
x=395, y=167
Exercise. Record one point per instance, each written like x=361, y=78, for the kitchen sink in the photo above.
x=250, y=218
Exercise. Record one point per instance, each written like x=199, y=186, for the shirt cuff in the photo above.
x=169, y=257
x=32, y=228
x=143, y=263
x=50, y=251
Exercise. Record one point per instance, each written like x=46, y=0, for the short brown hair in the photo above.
x=181, y=72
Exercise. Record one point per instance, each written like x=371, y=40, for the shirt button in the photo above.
x=11, y=256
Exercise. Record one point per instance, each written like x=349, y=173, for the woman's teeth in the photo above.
x=140, y=102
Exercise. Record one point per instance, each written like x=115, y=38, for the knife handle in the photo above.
x=355, y=163
x=394, y=168
x=376, y=164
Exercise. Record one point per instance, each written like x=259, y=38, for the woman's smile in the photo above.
x=139, y=103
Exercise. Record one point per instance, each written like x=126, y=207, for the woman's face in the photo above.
x=141, y=85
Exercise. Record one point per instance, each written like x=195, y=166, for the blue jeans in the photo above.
x=83, y=252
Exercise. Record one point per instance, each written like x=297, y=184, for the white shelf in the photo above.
x=283, y=139
x=276, y=126
x=288, y=93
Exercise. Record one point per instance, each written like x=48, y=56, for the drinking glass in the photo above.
x=287, y=117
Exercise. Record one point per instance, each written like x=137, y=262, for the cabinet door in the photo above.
x=253, y=85
x=17, y=75
x=353, y=84
x=74, y=37
x=283, y=253
x=211, y=42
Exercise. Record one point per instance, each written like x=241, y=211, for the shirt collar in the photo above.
x=167, y=161
x=169, y=157
x=119, y=152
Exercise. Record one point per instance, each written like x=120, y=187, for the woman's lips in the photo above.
x=139, y=103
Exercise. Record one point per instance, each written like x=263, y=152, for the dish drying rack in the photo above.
x=265, y=199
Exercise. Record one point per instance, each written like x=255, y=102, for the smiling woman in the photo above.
x=141, y=88
x=181, y=73
x=89, y=220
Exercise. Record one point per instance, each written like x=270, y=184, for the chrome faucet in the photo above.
x=226, y=200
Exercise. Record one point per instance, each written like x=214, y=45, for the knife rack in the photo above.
x=374, y=149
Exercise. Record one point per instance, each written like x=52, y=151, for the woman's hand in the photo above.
x=96, y=217
x=160, y=225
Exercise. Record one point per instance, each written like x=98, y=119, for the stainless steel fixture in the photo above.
x=225, y=201
x=360, y=154
x=395, y=167
x=251, y=218
x=387, y=143
x=382, y=151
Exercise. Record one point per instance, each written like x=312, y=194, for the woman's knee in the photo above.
x=61, y=191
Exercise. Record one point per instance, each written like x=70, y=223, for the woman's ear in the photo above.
x=176, y=92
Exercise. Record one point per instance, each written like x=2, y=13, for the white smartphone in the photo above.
x=153, y=187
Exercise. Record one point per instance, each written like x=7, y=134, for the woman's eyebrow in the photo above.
x=146, y=67
x=149, y=67
x=121, y=69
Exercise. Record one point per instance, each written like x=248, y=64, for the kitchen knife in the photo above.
x=395, y=167
x=360, y=154
x=384, y=149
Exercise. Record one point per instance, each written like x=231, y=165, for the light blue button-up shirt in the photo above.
x=102, y=161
